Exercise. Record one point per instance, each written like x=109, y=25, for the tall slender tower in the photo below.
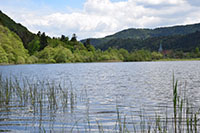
x=160, y=49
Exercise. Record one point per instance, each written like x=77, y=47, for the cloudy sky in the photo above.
x=98, y=18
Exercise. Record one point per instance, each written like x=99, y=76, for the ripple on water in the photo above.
x=99, y=90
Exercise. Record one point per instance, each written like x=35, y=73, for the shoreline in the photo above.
x=111, y=61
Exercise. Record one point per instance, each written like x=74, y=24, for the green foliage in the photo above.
x=64, y=39
x=83, y=56
x=55, y=42
x=63, y=55
x=89, y=46
x=25, y=35
x=97, y=55
x=196, y=50
x=156, y=55
x=43, y=41
x=58, y=54
x=45, y=55
x=114, y=54
x=32, y=59
x=185, y=43
x=11, y=58
x=77, y=46
x=140, y=55
x=124, y=53
x=34, y=46
x=11, y=47
x=20, y=60
x=105, y=57
x=142, y=34
x=74, y=38
x=3, y=56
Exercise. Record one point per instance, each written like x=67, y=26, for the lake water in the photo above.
x=99, y=91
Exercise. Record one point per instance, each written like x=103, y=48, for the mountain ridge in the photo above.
x=145, y=33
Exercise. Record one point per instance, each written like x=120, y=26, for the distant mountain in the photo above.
x=184, y=43
x=25, y=35
x=140, y=38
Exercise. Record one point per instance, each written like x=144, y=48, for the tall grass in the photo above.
x=35, y=96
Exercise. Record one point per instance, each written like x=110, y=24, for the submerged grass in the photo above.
x=40, y=97
x=35, y=96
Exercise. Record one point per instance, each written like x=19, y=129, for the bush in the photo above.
x=20, y=60
x=3, y=56
x=32, y=59
x=52, y=61
x=156, y=55
x=63, y=55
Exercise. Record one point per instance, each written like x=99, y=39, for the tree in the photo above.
x=39, y=34
x=43, y=41
x=20, y=60
x=140, y=55
x=156, y=55
x=124, y=53
x=63, y=55
x=89, y=46
x=197, y=52
x=3, y=56
x=87, y=42
x=62, y=38
x=11, y=46
x=34, y=46
x=74, y=38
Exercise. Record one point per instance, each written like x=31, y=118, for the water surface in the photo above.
x=99, y=90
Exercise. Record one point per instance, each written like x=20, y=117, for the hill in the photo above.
x=25, y=35
x=132, y=39
x=185, y=43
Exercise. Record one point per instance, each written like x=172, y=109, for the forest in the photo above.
x=20, y=46
x=175, y=35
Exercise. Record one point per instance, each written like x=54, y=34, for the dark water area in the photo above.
x=97, y=93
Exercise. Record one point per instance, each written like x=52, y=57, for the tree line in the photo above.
x=43, y=49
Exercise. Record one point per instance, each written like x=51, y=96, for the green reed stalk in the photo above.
x=175, y=95
x=195, y=122
x=119, y=120
x=125, y=130
x=100, y=127
x=180, y=115
x=191, y=123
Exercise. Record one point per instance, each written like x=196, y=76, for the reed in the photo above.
x=175, y=95
x=41, y=97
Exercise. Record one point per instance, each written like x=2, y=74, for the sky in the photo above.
x=99, y=18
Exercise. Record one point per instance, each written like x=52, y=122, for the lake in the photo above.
x=98, y=95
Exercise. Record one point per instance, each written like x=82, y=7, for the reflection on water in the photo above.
x=34, y=105
x=90, y=96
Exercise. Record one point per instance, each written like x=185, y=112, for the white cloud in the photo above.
x=158, y=2
x=99, y=18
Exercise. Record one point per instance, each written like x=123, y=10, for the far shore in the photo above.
x=172, y=59
x=112, y=61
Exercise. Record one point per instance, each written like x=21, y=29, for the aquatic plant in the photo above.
x=44, y=98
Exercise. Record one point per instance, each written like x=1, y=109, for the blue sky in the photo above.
x=39, y=4
x=98, y=18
